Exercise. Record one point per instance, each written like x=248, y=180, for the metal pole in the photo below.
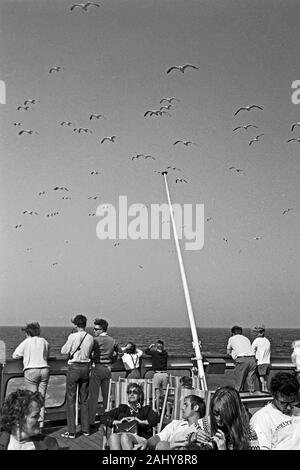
x=187, y=294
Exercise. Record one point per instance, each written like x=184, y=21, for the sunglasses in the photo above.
x=97, y=329
x=134, y=392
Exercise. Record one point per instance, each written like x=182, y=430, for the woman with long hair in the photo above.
x=227, y=426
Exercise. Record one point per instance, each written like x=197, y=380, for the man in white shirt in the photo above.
x=262, y=349
x=79, y=347
x=277, y=425
x=239, y=347
x=175, y=435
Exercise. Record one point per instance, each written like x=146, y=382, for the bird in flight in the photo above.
x=173, y=168
x=294, y=125
x=84, y=129
x=28, y=131
x=248, y=108
x=256, y=238
x=95, y=172
x=41, y=193
x=140, y=266
x=111, y=139
x=97, y=116
x=66, y=197
x=61, y=188
x=225, y=239
x=238, y=170
x=18, y=226
x=54, y=264
x=94, y=197
x=184, y=142
x=117, y=244
x=208, y=219
x=290, y=140
x=52, y=214
x=22, y=107
x=32, y=101
x=92, y=214
x=180, y=180
x=66, y=123
x=287, y=210
x=256, y=139
x=30, y=212
x=172, y=98
x=182, y=67
x=17, y=124
x=156, y=112
x=245, y=127
x=55, y=69
x=84, y=6
x=167, y=106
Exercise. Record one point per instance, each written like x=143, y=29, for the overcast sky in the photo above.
x=114, y=60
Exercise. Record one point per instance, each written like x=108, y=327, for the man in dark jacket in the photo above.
x=159, y=365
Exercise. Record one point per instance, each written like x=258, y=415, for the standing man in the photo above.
x=262, y=349
x=104, y=350
x=239, y=347
x=78, y=347
x=159, y=365
x=277, y=424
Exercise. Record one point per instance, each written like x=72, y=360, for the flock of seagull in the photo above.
x=165, y=108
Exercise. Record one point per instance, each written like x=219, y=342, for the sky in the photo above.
x=114, y=61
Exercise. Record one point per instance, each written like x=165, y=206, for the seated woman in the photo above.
x=134, y=413
x=227, y=426
x=20, y=428
x=131, y=360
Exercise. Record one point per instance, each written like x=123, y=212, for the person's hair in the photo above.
x=284, y=383
x=195, y=400
x=141, y=395
x=186, y=381
x=236, y=330
x=32, y=329
x=17, y=407
x=234, y=417
x=132, y=348
x=160, y=341
x=80, y=321
x=102, y=323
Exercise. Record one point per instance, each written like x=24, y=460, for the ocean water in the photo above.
x=177, y=340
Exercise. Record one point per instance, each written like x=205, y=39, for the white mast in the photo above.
x=186, y=294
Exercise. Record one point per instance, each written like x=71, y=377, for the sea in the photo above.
x=177, y=340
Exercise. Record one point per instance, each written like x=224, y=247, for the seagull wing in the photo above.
x=255, y=106
x=236, y=128
x=191, y=66
x=240, y=109
x=177, y=142
x=172, y=68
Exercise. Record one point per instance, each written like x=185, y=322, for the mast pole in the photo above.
x=186, y=294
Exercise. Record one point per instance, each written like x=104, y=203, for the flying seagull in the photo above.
x=95, y=172
x=290, y=140
x=184, y=142
x=256, y=139
x=180, y=180
x=61, y=188
x=97, y=116
x=208, y=219
x=287, y=210
x=66, y=197
x=17, y=124
x=248, y=108
x=244, y=127
x=173, y=168
x=140, y=266
x=84, y=6
x=84, y=129
x=27, y=131
x=225, y=239
x=92, y=214
x=294, y=125
x=256, y=238
x=66, y=123
x=169, y=99
x=156, y=112
x=238, y=170
x=41, y=193
x=54, y=264
x=55, y=69
x=18, y=226
x=22, y=107
x=94, y=197
x=30, y=212
x=117, y=244
x=182, y=67
x=167, y=106
x=111, y=139
x=29, y=101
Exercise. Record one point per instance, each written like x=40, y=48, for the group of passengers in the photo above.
x=227, y=424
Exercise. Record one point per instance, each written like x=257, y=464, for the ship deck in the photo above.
x=81, y=442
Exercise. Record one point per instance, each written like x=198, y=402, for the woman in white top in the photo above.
x=131, y=360
x=34, y=350
x=296, y=357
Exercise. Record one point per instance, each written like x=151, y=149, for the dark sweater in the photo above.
x=159, y=358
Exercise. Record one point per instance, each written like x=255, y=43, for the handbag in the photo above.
x=127, y=426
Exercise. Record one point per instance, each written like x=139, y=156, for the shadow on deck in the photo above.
x=81, y=442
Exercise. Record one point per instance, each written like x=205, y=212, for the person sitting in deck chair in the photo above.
x=176, y=435
x=132, y=423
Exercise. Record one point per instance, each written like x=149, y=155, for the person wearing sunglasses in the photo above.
x=278, y=424
x=132, y=422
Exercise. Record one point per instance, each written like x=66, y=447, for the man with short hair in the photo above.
x=159, y=365
x=104, y=349
x=176, y=434
x=239, y=347
x=277, y=425
x=262, y=349
x=78, y=347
